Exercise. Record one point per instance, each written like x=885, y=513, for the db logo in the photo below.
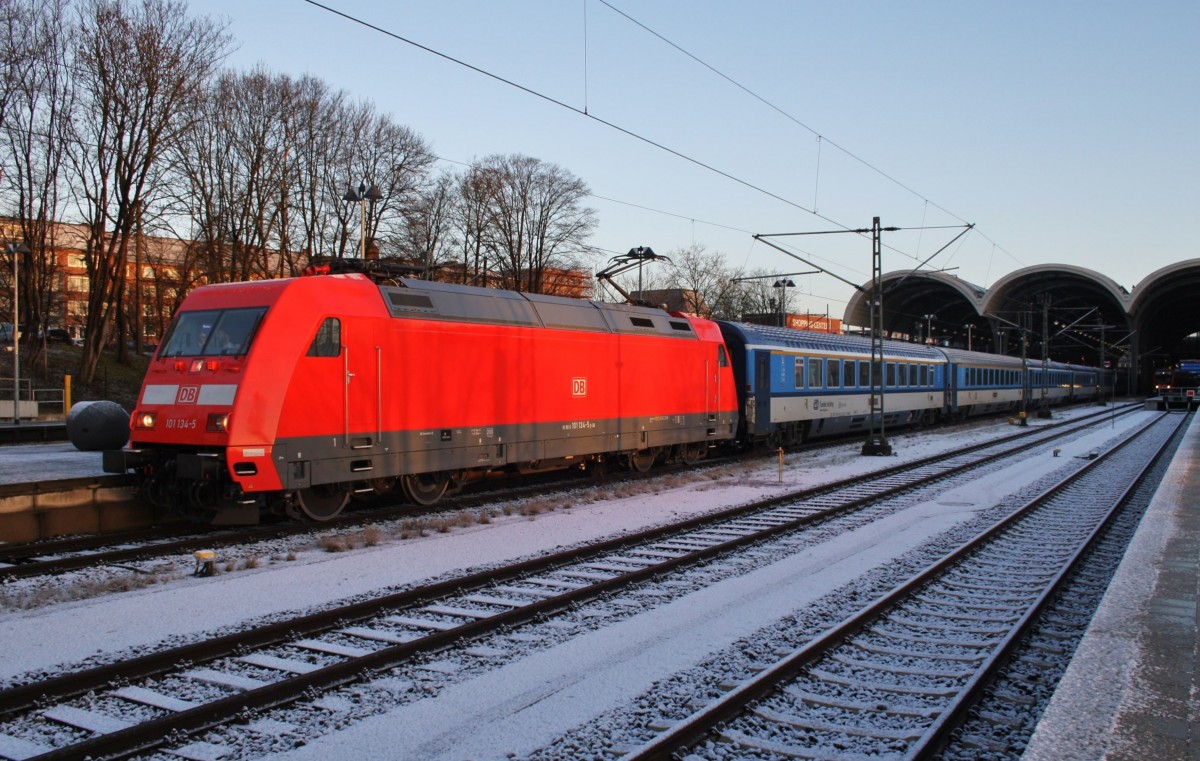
x=188, y=395
x=579, y=387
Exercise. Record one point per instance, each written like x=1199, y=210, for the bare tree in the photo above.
x=705, y=274
x=141, y=68
x=341, y=145
x=429, y=231
x=475, y=187
x=35, y=92
x=534, y=217
x=235, y=165
x=396, y=161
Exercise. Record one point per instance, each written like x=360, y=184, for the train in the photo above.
x=1176, y=387
x=290, y=397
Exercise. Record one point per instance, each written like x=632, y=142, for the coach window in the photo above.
x=328, y=341
x=891, y=374
x=848, y=373
x=833, y=373
x=816, y=371
x=864, y=374
x=799, y=372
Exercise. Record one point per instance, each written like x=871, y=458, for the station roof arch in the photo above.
x=1068, y=286
x=912, y=296
x=1165, y=312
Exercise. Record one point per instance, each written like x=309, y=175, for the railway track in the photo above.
x=28, y=560
x=896, y=679
x=167, y=696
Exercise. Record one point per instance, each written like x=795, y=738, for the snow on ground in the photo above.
x=530, y=702
x=1074, y=727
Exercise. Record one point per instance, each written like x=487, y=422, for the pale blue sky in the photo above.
x=1066, y=131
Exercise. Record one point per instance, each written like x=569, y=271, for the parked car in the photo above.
x=6, y=332
x=58, y=335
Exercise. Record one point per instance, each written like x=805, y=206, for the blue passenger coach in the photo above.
x=795, y=384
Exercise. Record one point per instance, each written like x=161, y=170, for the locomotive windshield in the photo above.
x=213, y=332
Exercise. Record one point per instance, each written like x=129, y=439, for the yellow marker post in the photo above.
x=66, y=394
x=781, y=465
x=206, y=562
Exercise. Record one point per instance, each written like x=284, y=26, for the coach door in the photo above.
x=762, y=391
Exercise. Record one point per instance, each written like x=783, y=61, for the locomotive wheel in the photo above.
x=425, y=488
x=322, y=503
x=694, y=453
x=640, y=462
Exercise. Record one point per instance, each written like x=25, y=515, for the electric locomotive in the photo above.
x=292, y=395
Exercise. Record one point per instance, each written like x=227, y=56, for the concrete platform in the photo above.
x=1132, y=692
x=49, y=490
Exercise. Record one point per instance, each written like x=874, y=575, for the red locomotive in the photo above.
x=291, y=395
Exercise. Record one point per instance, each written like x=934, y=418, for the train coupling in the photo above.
x=124, y=460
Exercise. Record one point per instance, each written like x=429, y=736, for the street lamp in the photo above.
x=15, y=250
x=783, y=285
x=361, y=196
x=929, y=318
x=969, y=326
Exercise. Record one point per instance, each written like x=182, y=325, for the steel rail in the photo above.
x=26, y=561
x=147, y=735
x=675, y=741
x=939, y=732
x=66, y=686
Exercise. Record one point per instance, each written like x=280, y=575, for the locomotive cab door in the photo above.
x=362, y=392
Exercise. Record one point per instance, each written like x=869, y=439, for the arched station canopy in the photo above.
x=927, y=306
x=1087, y=315
x=1165, y=312
x=1081, y=315
x=1082, y=312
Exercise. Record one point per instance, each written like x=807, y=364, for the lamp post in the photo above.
x=361, y=196
x=929, y=318
x=783, y=285
x=15, y=250
x=970, y=326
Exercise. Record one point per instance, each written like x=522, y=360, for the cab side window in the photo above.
x=328, y=341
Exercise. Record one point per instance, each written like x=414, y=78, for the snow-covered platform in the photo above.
x=1131, y=691
x=40, y=463
x=49, y=490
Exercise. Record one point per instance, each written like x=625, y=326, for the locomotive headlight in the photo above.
x=145, y=420
x=218, y=422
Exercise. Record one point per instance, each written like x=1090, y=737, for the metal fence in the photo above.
x=47, y=399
